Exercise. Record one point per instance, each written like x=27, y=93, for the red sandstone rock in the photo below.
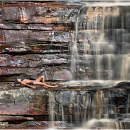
x=11, y=13
x=45, y=20
x=34, y=48
x=51, y=73
x=62, y=75
x=14, y=118
x=20, y=108
x=12, y=85
x=19, y=36
x=32, y=60
x=13, y=70
x=2, y=39
x=26, y=36
x=38, y=12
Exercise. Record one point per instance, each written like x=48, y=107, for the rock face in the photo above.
x=36, y=38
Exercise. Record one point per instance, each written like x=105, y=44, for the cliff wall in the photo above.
x=36, y=39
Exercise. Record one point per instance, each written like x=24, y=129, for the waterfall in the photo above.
x=108, y=44
x=93, y=109
x=100, y=50
x=100, y=58
x=51, y=106
x=125, y=67
x=101, y=124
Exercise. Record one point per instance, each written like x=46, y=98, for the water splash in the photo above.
x=101, y=124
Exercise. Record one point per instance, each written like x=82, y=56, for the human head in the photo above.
x=19, y=80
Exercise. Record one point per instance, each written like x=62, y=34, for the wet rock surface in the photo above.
x=70, y=104
x=36, y=38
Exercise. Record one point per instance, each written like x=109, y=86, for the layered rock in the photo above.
x=33, y=28
x=36, y=38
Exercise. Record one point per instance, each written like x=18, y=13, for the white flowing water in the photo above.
x=100, y=124
x=125, y=67
x=100, y=38
x=110, y=52
x=51, y=106
x=100, y=56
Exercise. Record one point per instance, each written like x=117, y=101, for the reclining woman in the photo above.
x=26, y=82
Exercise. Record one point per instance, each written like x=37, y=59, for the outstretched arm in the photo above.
x=27, y=84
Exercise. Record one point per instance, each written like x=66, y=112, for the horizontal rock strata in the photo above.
x=36, y=38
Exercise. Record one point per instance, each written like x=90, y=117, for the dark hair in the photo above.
x=22, y=77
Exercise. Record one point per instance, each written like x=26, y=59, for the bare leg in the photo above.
x=44, y=84
x=40, y=78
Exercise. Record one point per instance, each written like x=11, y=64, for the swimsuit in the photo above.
x=33, y=82
x=25, y=80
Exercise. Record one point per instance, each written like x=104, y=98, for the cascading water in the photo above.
x=108, y=45
x=109, y=50
x=51, y=106
x=100, y=107
x=100, y=56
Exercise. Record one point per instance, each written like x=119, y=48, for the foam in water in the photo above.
x=100, y=124
x=96, y=124
x=100, y=56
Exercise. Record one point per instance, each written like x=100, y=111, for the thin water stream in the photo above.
x=100, y=58
x=109, y=51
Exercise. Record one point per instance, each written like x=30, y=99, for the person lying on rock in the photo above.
x=26, y=82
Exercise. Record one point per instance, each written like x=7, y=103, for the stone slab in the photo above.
x=49, y=12
x=33, y=48
x=40, y=27
x=58, y=73
x=23, y=101
x=32, y=60
x=27, y=36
